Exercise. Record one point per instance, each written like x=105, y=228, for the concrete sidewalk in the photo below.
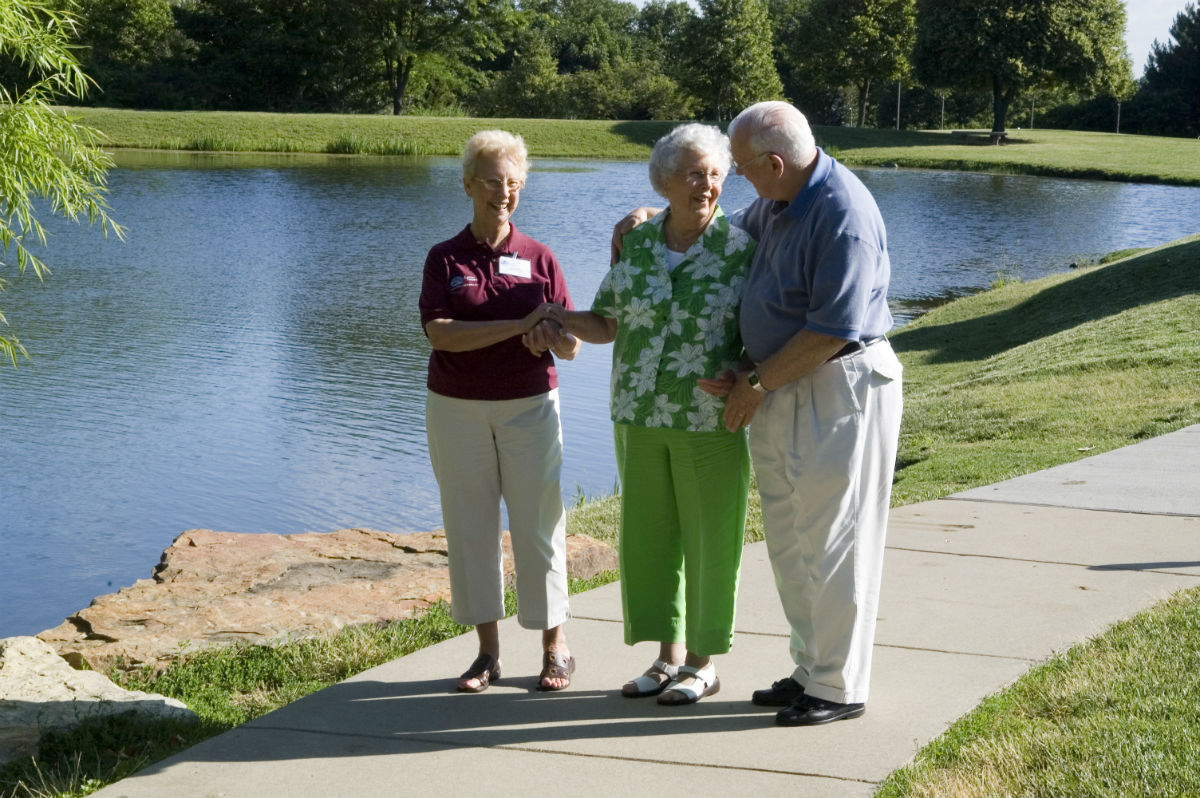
x=977, y=587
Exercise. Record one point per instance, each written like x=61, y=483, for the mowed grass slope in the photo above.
x=1029, y=375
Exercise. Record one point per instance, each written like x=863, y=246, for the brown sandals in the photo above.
x=485, y=670
x=556, y=666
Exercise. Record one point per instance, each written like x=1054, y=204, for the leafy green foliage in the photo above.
x=1006, y=48
x=729, y=57
x=856, y=43
x=1170, y=99
x=44, y=154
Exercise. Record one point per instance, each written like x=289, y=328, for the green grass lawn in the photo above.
x=1040, y=152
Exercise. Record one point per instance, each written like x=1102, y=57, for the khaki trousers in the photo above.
x=824, y=451
x=485, y=451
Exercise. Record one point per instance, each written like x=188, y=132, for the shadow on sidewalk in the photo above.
x=428, y=713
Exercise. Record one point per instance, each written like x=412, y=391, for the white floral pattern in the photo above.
x=674, y=326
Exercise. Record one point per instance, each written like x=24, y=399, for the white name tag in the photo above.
x=517, y=267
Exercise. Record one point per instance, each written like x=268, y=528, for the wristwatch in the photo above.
x=755, y=383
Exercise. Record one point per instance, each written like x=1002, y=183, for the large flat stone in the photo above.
x=215, y=588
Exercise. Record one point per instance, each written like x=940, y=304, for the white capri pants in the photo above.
x=482, y=451
x=824, y=451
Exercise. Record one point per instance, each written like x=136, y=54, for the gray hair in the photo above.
x=498, y=144
x=780, y=128
x=693, y=137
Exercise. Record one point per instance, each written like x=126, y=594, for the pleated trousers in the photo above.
x=824, y=450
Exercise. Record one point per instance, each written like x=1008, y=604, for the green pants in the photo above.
x=683, y=516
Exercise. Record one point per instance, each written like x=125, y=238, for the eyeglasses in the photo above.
x=740, y=168
x=495, y=183
x=698, y=178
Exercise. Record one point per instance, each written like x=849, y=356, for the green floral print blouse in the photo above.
x=674, y=326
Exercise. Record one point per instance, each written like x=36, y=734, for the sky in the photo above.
x=1147, y=20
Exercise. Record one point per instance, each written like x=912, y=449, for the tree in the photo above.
x=590, y=34
x=284, y=55
x=406, y=31
x=44, y=154
x=531, y=86
x=1007, y=47
x=130, y=48
x=1172, y=79
x=729, y=56
x=857, y=43
x=807, y=91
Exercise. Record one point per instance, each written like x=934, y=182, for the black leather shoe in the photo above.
x=810, y=711
x=779, y=694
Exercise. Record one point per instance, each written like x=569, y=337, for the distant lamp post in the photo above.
x=897, y=105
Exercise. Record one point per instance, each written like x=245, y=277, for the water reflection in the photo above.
x=251, y=359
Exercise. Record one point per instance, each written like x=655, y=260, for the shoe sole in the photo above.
x=857, y=713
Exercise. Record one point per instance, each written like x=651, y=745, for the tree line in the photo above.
x=883, y=63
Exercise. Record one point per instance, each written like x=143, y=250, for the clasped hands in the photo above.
x=741, y=400
x=547, y=328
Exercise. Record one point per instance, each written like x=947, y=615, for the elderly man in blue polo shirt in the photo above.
x=822, y=386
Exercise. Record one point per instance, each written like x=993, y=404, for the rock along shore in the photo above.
x=216, y=588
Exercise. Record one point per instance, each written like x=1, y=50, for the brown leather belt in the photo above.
x=855, y=346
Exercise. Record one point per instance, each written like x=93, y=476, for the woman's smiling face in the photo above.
x=495, y=190
x=693, y=188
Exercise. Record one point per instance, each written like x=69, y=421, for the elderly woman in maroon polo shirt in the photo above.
x=491, y=412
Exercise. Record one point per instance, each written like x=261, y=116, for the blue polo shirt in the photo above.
x=821, y=263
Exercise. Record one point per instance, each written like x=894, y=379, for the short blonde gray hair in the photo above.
x=692, y=137
x=498, y=144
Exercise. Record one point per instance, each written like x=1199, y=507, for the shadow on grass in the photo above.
x=849, y=138
x=1098, y=293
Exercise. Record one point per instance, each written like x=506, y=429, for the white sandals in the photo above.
x=647, y=685
x=704, y=683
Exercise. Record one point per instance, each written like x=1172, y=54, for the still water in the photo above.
x=250, y=359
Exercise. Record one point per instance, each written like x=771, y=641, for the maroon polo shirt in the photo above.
x=462, y=281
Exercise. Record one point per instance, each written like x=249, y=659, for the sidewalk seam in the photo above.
x=1113, y=510
x=1039, y=562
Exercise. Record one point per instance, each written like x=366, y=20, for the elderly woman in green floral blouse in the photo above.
x=671, y=305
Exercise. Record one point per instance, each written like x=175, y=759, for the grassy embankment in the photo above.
x=1039, y=152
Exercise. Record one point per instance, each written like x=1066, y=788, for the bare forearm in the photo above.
x=452, y=335
x=591, y=327
x=804, y=352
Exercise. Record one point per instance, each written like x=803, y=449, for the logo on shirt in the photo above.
x=463, y=282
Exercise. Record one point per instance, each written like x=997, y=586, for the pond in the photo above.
x=250, y=359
